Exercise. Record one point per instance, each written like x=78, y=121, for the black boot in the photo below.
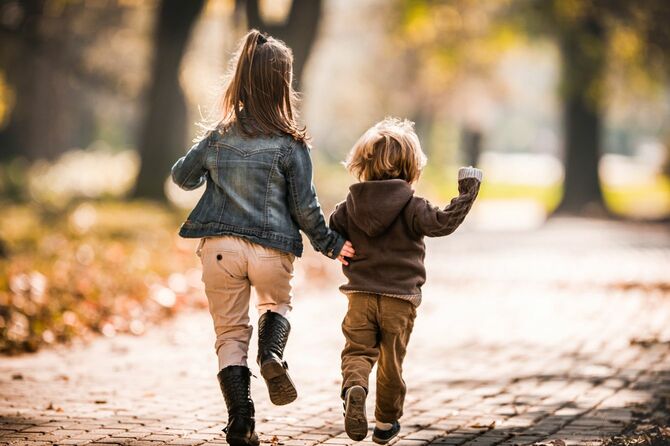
x=273, y=330
x=234, y=382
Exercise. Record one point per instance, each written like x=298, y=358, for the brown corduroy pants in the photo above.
x=377, y=329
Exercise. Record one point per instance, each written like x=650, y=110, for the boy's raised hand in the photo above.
x=347, y=251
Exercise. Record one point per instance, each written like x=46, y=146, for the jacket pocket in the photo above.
x=221, y=265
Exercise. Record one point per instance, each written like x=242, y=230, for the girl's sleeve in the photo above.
x=189, y=170
x=304, y=204
x=435, y=222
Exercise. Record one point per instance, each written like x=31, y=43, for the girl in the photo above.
x=257, y=168
x=387, y=223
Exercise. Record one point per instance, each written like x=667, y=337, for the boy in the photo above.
x=387, y=223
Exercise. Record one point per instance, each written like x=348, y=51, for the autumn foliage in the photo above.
x=94, y=268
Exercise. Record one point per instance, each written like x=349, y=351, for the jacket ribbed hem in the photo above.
x=470, y=172
x=414, y=299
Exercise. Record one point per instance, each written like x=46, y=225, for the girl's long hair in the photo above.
x=259, y=95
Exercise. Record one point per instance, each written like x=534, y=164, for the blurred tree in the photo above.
x=298, y=30
x=444, y=45
x=43, y=64
x=471, y=145
x=21, y=40
x=457, y=36
x=581, y=35
x=164, y=131
x=593, y=36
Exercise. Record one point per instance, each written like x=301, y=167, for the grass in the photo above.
x=650, y=199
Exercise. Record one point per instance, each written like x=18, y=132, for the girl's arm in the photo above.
x=435, y=222
x=304, y=205
x=189, y=170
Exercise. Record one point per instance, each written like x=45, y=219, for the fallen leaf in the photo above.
x=484, y=426
x=54, y=408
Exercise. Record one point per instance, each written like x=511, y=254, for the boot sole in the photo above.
x=280, y=386
x=251, y=441
x=355, y=419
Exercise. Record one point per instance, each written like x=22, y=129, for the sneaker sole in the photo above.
x=355, y=419
x=382, y=441
x=280, y=386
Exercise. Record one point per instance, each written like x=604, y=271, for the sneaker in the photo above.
x=380, y=436
x=355, y=419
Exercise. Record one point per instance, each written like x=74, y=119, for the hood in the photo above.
x=374, y=205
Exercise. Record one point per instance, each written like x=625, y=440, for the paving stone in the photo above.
x=520, y=338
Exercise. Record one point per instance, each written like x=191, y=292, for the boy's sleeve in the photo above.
x=338, y=219
x=435, y=222
x=189, y=170
x=304, y=204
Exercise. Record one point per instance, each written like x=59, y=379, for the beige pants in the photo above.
x=230, y=267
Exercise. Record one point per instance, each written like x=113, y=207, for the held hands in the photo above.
x=347, y=251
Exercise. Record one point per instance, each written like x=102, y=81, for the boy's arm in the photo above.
x=304, y=205
x=435, y=222
x=338, y=219
x=189, y=170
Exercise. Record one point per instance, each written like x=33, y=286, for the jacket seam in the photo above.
x=202, y=208
x=279, y=241
x=190, y=172
x=197, y=226
x=293, y=194
x=223, y=198
x=266, y=223
x=246, y=154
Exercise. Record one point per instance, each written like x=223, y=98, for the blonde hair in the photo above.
x=390, y=149
x=259, y=95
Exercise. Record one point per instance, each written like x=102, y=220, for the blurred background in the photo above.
x=565, y=104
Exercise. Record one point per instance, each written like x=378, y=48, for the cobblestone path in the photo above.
x=522, y=338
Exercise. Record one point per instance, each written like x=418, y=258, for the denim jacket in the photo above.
x=258, y=188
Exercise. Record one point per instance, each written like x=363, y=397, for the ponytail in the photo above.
x=259, y=95
x=253, y=39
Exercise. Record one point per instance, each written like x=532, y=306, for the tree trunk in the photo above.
x=164, y=133
x=42, y=56
x=471, y=145
x=298, y=32
x=583, y=54
x=38, y=125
